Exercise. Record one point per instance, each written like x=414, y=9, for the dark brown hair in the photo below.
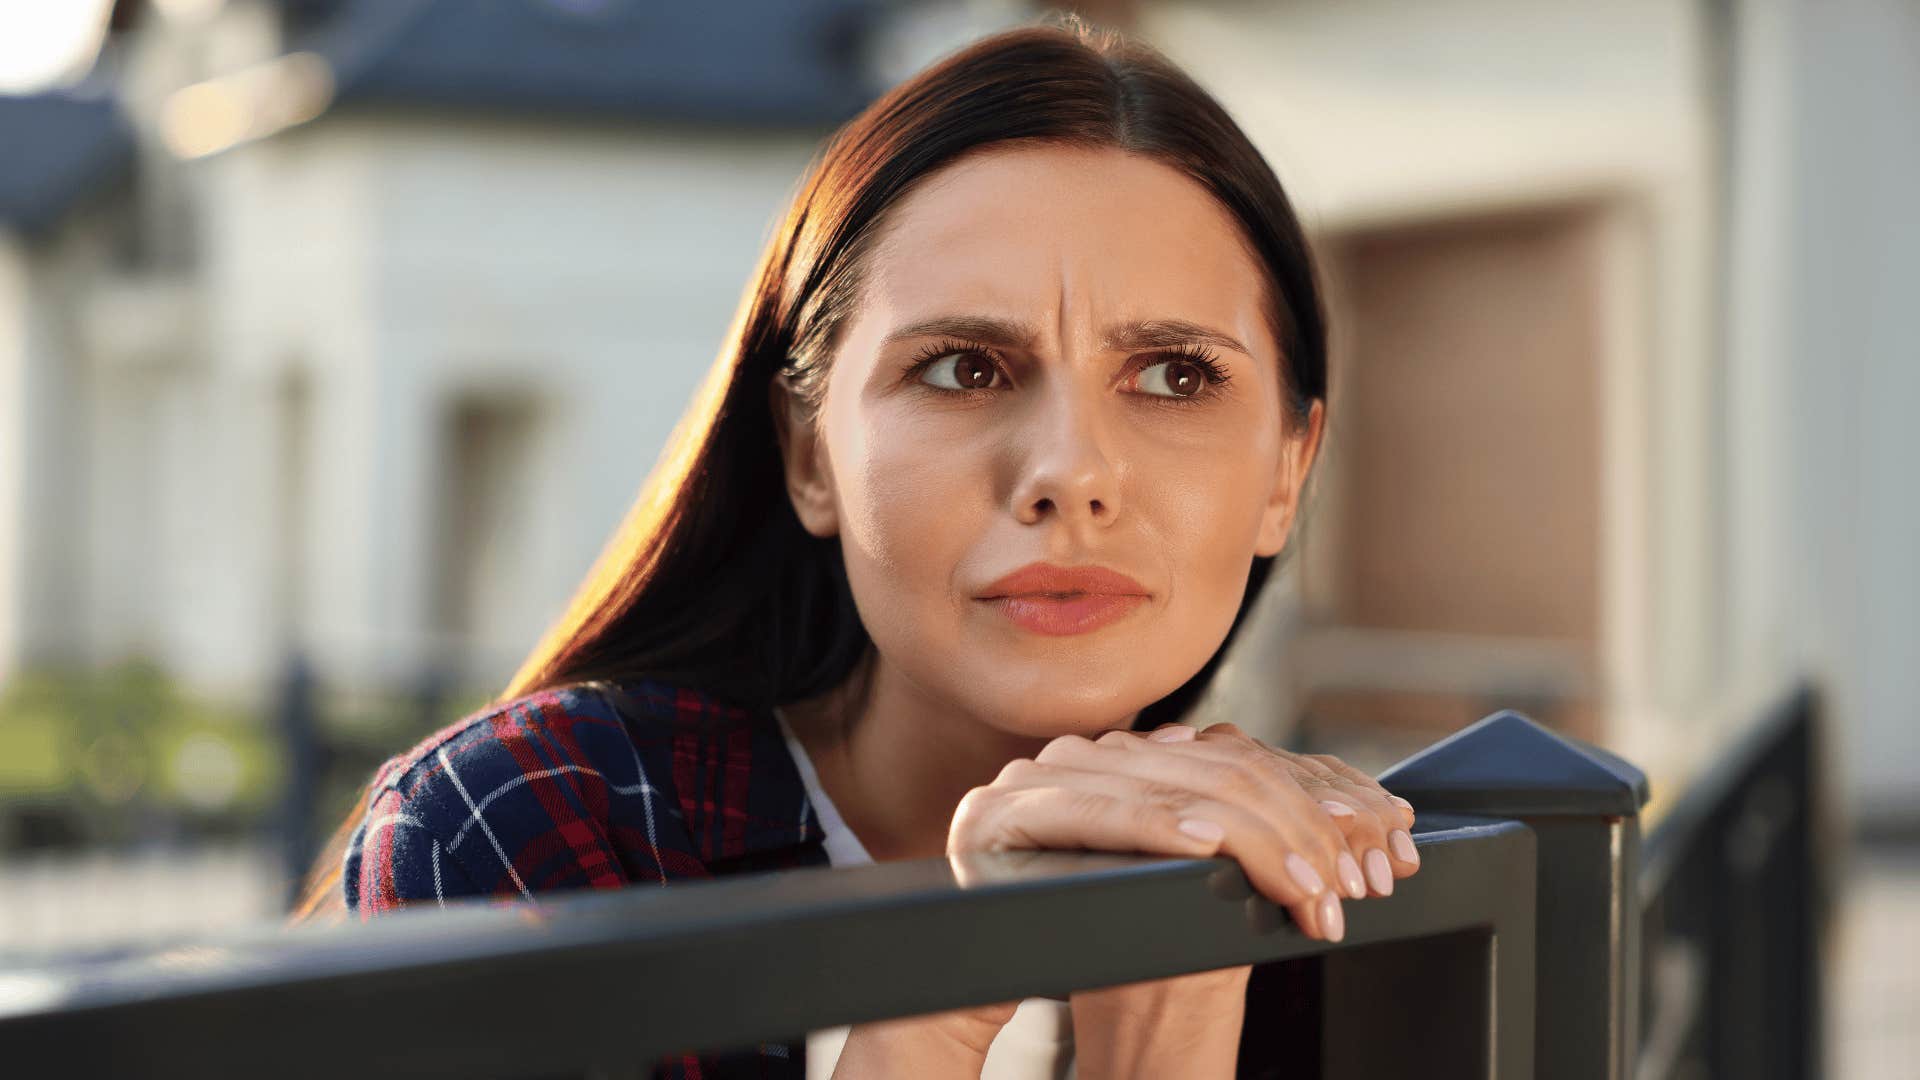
x=710, y=580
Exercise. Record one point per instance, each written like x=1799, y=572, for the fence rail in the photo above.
x=1515, y=952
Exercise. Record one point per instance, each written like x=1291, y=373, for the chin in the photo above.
x=1044, y=687
x=1055, y=703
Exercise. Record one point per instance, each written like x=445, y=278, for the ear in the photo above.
x=1297, y=453
x=808, y=473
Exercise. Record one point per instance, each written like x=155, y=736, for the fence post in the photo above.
x=296, y=724
x=1583, y=804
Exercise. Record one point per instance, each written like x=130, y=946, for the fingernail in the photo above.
x=1403, y=848
x=1173, y=733
x=1350, y=878
x=1337, y=809
x=1404, y=804
x=1207, y=832
x=1379, y=873
x=1303, y=873
x=1333, y=923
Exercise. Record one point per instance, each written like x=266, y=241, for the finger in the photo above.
x=1172, y=731
x=1346, y=866
x=1340, y=813
x=1271, y=802
x=1404, y=818
x=1347, y=806
x=1371, y=838
x=1404, y=857
x=1277, y=871
x=1328, y=777
x=1077, y=817
x=1237, y=774
x=1362, y=820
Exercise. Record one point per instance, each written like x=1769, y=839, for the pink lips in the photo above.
x=1062, y=600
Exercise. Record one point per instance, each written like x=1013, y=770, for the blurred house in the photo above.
x=361, y=330
x=1623, y=355
x=383, y=319
x=63, y=187
x=1514, y=209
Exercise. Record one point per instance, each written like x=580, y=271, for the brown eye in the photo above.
x=961, y=371
x=1172, y=378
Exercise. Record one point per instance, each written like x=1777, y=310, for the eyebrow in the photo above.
x=1009, y=334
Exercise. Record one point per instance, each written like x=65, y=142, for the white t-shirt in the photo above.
x=1037, y=1044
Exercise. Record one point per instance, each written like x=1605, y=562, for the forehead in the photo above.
x=1025, y=231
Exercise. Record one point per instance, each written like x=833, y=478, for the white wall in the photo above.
x=285, y=284
x=598, y=269
x=1373, y=111
x=1830, y=366
x=13, y=445
x=53, y=596
x=1378, y=112
x=406, y=260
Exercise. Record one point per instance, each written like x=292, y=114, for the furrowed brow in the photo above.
x=1004, y=333
x=1127, y=337
x=1165, y=334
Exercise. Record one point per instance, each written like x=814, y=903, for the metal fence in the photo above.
x=1734, y=910
x=1516, y=951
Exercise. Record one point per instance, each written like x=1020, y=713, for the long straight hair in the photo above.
x=710, y=581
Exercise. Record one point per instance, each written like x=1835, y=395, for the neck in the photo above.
x=896, y=760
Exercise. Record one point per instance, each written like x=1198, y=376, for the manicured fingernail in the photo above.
x=1403, y=848
x=1304, y=874
x=1379, y=873
x=1173, y=733
x=1333, y=924
x=1207, y=832
x=1350, y=878
x=1337, y=809
x=1402, y=803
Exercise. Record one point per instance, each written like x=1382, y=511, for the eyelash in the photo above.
x=1199, y=356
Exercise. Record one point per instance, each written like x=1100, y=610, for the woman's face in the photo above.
x=1060, y=366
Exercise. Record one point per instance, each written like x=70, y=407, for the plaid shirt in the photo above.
x=596, y=785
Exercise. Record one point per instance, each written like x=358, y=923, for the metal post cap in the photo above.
x=1507, y=765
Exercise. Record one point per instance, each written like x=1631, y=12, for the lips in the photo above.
x=1038, y=579
x=1062, y=600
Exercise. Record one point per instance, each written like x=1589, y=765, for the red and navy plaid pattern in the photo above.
x=598, y=785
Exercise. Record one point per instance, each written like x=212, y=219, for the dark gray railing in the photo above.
x=1513, y=953
x=1733, y=908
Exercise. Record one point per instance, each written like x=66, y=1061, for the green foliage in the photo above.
x=129, y=733
x=94, y=757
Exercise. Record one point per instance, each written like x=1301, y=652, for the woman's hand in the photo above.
x=1304, y=827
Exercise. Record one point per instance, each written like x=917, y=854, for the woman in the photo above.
x=1005, y=437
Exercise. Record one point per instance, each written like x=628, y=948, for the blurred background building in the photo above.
x=346, y=330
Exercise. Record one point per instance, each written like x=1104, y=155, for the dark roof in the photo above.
x=55, y=151
x=739, y=61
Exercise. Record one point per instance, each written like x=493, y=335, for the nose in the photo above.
x=1068, y=470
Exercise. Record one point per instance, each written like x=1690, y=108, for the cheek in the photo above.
x=1206, y=509
x=918, y=501
x=908, y=503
